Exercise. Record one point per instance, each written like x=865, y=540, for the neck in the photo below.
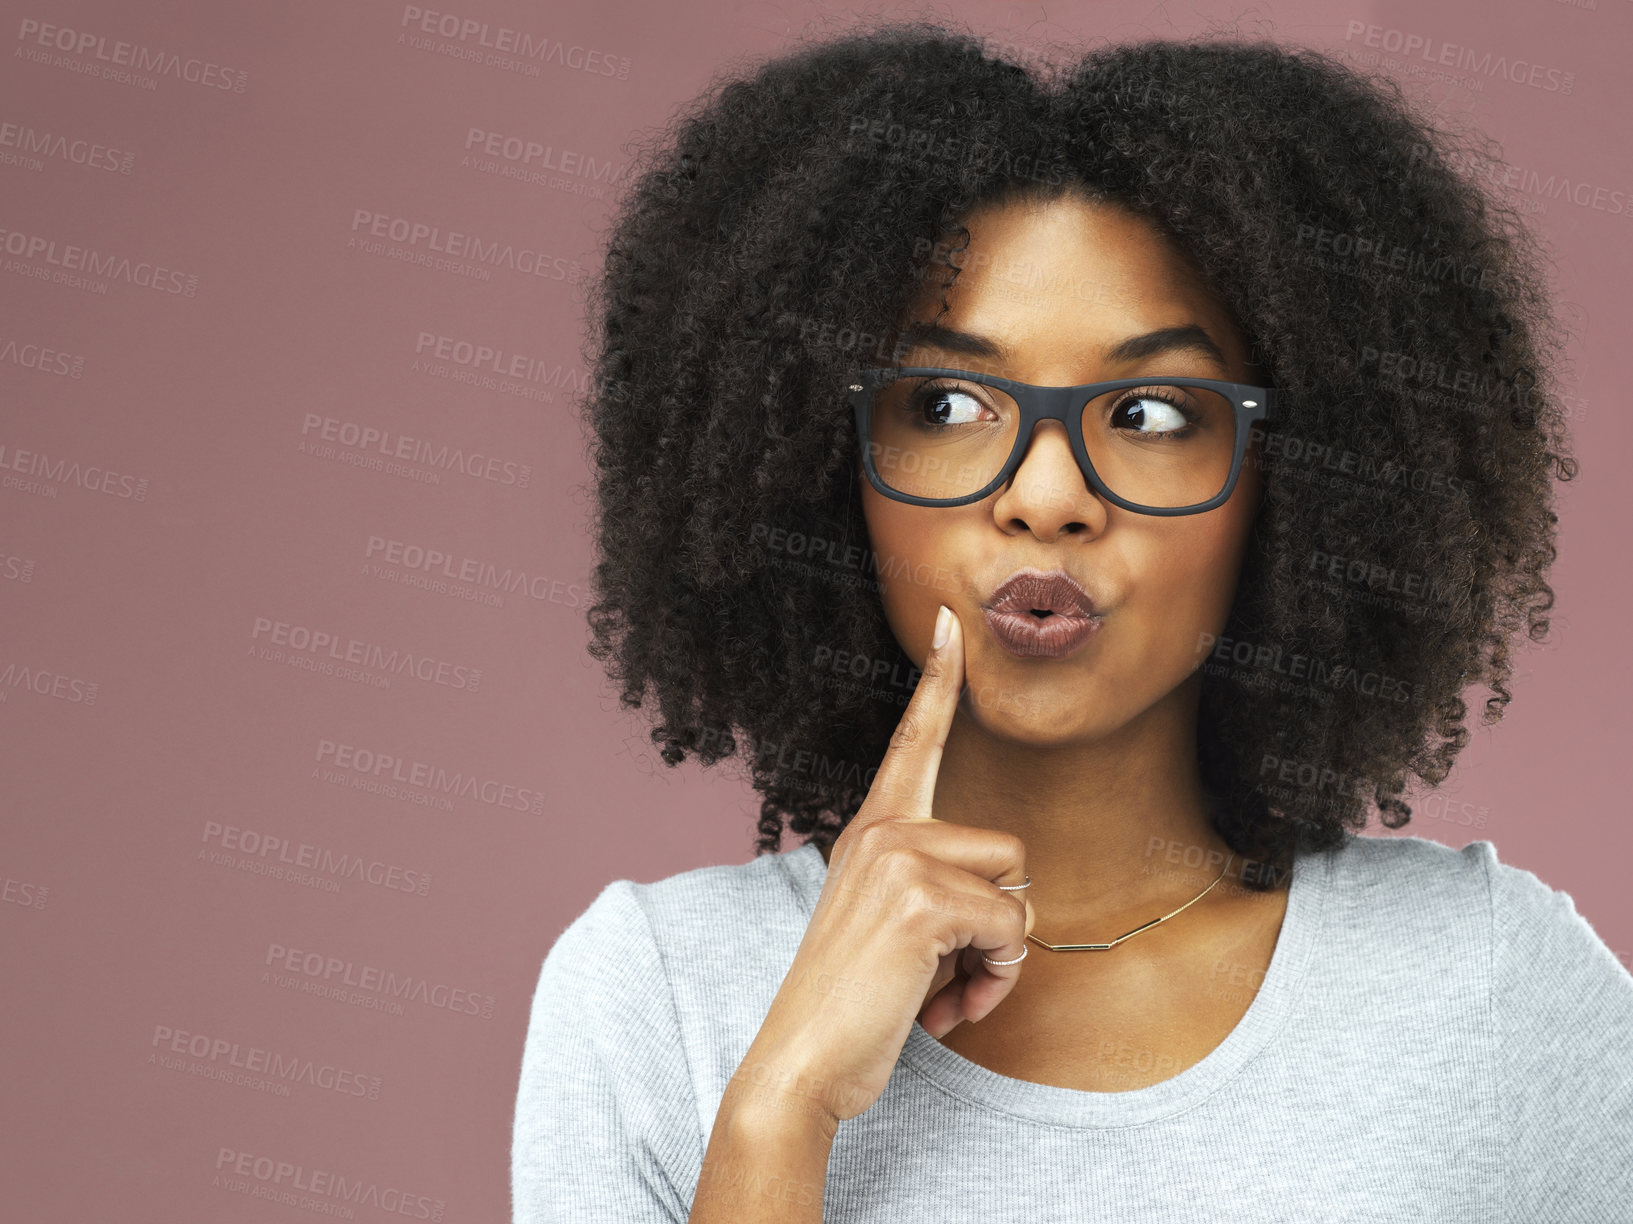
x=1114, y=828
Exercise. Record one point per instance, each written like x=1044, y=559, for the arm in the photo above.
x=766, y=1163
x=1562, y=1010
x=605, y=1106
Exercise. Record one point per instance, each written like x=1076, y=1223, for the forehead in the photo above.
x=1068, y=274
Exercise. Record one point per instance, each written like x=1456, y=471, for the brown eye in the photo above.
x=1153, y=413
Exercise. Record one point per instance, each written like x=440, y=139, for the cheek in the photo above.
x=1209, y=549
x=1190, y=581
x=911, y=551
x=1217, y=568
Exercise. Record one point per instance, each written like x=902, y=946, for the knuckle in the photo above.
x=898, y=868
x=934, y=900
x=931, y=674
x=1016, y=911
x=922, y=920
x=876, y=840
x=917, y=898
x=910, y=732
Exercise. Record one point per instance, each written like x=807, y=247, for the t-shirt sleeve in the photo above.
x=1562, y=1010
x=605, y=1114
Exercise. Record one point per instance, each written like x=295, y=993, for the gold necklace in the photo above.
x=1098, y=947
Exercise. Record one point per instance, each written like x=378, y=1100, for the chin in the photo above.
x=1029, y=712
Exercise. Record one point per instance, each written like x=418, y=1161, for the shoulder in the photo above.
x=1448, y=967
x=644, y=1005
x=1512, y=908
x=699, y=900
x=1416, y=860
x=722, y=899
x=635, y=936
x=1559, y=1014
x=1440, y=889
x=1437, y=874
x=1544, y=949
x=1543, y=962
x=680, y=971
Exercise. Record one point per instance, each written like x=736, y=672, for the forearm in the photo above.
x=767, y=1160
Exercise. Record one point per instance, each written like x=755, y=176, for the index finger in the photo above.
x=906, y=778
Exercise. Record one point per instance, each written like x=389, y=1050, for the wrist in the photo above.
x=766, y=1101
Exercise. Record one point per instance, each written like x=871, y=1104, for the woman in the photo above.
x=1025, y=471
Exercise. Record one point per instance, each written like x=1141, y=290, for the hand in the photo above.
x=909, y=904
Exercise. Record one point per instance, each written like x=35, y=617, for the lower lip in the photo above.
x=1053, y=637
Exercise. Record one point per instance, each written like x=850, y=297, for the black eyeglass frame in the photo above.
x=1063, y=404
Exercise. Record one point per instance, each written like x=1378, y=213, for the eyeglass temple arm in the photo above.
x=1266, y=402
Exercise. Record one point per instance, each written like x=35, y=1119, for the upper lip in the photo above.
x=1044, y=590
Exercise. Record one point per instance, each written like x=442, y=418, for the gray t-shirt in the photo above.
x=1438, y=1037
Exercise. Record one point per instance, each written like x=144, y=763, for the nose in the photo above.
x=1049, y=493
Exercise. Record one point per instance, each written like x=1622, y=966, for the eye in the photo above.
x=1153, y=412
x=944, y=403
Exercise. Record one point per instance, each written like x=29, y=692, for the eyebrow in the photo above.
x=1188, y=337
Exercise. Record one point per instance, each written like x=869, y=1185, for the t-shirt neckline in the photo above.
x=958, y=1077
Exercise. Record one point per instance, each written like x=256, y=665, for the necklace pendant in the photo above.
x=1101, y=947
x=1073, y=947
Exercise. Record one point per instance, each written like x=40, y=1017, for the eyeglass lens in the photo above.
x=1163, y=445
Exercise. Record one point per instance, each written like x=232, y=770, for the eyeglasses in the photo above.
x=943, y=437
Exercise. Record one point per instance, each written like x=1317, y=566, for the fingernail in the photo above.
x=944, y=628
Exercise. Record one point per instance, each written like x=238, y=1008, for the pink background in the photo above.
x=153, y=736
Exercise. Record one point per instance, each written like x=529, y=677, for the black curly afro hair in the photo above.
x=773, y=235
